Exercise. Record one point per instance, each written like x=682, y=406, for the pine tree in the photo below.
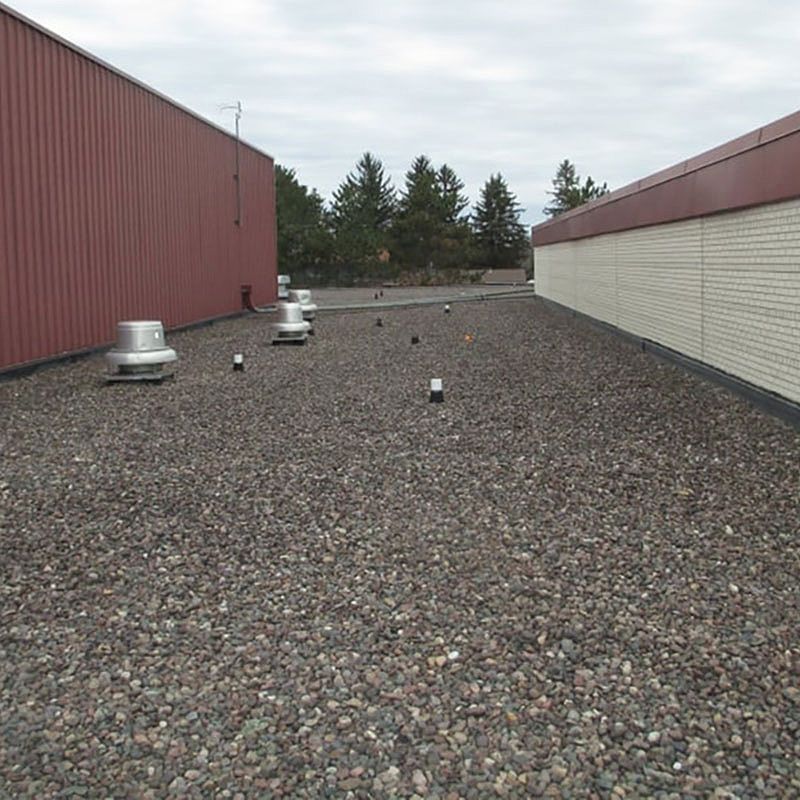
x=365, y=198
x=590, y=190
x=568, y=192
x=430, y=233
x=501, y=239
x=362, y=211
x=304, y=240
x=455, y=245
x=450, y=189
x=419, y=217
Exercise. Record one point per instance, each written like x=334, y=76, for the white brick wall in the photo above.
x=596, y=278
x=658, y=284
x=723, y=289
x=751, y=297
x=558, y=282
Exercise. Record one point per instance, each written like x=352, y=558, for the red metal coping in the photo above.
x=750, y=170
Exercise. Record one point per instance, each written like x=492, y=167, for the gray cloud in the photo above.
x=622, y=88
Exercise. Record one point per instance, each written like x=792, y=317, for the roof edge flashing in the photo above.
x=759, y=137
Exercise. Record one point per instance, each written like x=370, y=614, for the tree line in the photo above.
x=424, y=233
x=371, y=232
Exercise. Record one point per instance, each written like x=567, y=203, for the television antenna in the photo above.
x=237, y=108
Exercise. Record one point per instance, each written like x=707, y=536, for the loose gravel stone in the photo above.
x=575, y=577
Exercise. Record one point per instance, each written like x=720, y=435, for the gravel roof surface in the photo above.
x=576, y=577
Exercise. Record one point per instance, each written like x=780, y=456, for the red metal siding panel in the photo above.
x=750, y=170
x=115, y=203
x=6, y=210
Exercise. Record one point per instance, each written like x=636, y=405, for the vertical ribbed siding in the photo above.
x=115, y=204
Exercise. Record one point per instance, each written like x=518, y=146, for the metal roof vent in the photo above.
x=140, y=352
x=290, y=327
x=303, y=296
x=283, y=286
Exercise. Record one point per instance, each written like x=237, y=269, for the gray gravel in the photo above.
x=577, y=577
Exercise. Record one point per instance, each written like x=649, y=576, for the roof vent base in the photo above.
x=155, y=376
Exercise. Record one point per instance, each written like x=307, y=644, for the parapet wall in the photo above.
x=723, y=289
x=702, y=258
x=754, y=169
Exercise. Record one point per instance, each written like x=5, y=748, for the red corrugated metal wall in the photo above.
x=115, y=204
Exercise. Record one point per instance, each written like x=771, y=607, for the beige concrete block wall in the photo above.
x=596, y=277
x=558, y=277
x=658, y=284
x=723, y=289
x=751, y=295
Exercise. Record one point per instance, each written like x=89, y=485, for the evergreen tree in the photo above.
x=450, y=189
x=361, y=214
x=419, y=217
x=455, y=246
x=430, y=233
x=304, y=240
x=500, y=237
x=568, y=192
x=590, y=190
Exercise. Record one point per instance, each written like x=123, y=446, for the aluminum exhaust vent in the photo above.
x=303, y=297
x=290, y=327
x=140, y=352
x=283, y=287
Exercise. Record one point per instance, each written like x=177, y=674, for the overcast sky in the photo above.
x=622, y=88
